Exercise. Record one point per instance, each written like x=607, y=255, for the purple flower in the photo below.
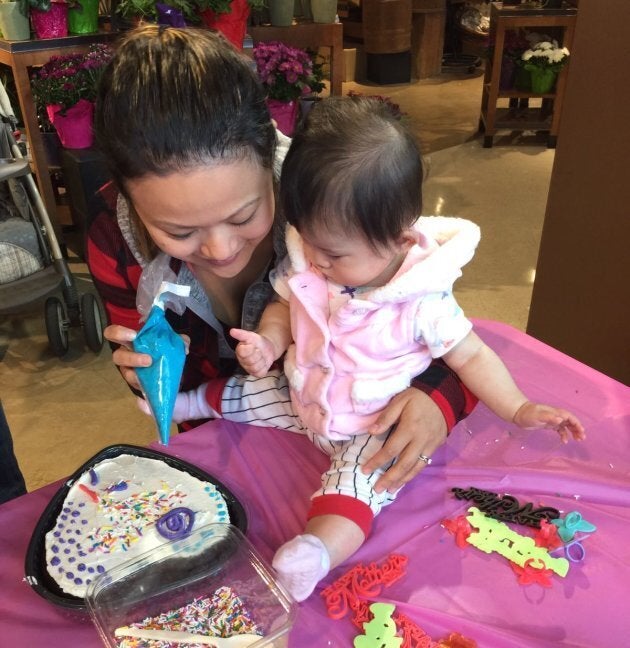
x=286, y=72
x=64, y=80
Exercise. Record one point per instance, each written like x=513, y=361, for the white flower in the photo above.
x=546, y=53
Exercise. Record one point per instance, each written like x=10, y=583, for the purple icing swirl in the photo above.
x=176, y=524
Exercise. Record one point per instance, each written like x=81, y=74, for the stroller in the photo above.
x=31, y=263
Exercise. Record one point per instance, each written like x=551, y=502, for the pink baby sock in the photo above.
x=301, y=563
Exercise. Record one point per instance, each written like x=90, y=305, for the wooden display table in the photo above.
x=20, y=56
x=309, y=34
x=519, y=116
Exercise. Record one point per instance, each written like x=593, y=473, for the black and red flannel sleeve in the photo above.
x=115, y=272
x=447, y=391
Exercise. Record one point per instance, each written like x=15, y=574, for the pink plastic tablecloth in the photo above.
x=446, y=589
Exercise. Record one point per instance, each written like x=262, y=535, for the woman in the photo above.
x=183, y=125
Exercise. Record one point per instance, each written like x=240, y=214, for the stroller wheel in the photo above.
x=91, y=322
x=56, y=326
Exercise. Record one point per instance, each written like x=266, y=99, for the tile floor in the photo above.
x=62, y=411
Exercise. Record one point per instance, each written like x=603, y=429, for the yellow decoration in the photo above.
x=492, y=535
x=380, y=632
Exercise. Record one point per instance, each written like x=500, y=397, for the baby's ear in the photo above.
x=409, y=237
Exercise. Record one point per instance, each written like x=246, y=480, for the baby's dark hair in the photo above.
x=352, y=166
x=174, y=98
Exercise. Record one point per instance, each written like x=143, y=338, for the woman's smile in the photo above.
x=220, y=263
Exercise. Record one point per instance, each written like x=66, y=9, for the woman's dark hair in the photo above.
x=175, y=98
x=352, y=166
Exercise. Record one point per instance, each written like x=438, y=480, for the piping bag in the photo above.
x=160, y=381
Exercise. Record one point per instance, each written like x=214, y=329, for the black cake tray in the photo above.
x=35, y=564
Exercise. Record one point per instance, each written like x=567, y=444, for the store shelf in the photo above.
x=519, y=94
x=520, y=116
x=522, y=119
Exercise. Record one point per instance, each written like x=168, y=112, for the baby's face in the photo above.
x=350, y=260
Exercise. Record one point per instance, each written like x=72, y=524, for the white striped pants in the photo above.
x=267, y=402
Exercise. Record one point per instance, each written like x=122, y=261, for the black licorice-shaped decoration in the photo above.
x=507, y=508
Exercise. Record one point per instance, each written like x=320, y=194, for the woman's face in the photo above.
x=211, y=217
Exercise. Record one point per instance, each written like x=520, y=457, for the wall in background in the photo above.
x=581, y=296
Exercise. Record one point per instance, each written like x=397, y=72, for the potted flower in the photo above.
x=131, y=12
x=543, y=60
x=134, y=11
x=49, y=17
x=287, y=74
x=83, y=17
x=229, y=17
x=14, y=23
x=66, y=87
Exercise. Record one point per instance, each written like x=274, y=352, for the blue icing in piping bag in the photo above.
x=160, y=381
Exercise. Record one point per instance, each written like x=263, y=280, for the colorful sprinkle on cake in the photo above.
x=121, y=508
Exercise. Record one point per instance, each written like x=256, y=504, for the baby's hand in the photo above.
x=531, y=416
x=254, y=352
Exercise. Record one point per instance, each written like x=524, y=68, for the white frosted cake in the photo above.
x=121, y=508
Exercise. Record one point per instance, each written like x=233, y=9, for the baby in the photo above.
x=364, y=302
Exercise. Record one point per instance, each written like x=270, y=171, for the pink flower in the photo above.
x=65, y=80
x=286, y=72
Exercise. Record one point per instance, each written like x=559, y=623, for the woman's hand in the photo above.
x=420, y=431
x=124, y=357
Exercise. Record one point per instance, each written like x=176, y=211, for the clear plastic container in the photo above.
x=175, y=574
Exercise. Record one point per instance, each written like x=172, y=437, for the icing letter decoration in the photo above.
x=506, y=507
x=494, y=536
